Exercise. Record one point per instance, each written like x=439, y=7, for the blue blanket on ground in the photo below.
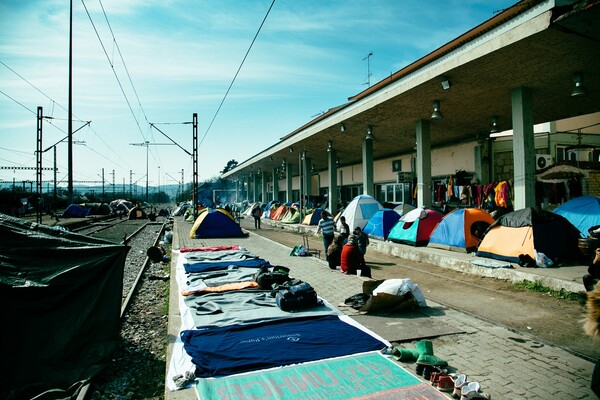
x=239, y=348
x=220, y=265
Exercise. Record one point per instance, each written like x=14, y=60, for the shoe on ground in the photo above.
x=459, y=382
x=470, y=391
x=445, y=383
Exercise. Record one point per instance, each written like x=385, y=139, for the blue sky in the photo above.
x=181, y=57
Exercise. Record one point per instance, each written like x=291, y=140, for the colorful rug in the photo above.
x=363, y=376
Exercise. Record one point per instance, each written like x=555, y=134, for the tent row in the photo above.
x=528, y=232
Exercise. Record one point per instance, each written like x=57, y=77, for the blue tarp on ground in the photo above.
x=239, y=348
x=583, y=212
x=75, y=211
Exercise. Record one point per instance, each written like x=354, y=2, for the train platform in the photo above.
x=507, y=365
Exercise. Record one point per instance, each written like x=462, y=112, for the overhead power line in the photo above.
x=112, y=67
x=237, y=72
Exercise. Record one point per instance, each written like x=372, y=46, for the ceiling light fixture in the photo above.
x=579, y=90
x=369, y=132
x=437, y=114
x=342, y=127
x=494, y=125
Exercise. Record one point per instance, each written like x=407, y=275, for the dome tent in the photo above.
x=359, y=211
x=527, y=232
x=461, y=230
x=583, y=212
x=415, y=227
x=381, y=223
x=216, y=223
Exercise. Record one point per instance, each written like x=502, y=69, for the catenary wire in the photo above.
x=236, y=73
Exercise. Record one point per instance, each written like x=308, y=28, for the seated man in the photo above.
x=352, y=259
x=593, y=275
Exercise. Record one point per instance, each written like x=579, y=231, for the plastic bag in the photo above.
x=542, y=260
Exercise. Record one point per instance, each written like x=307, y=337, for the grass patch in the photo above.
x=538, y=287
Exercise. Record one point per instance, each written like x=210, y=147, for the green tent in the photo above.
x=292, y=216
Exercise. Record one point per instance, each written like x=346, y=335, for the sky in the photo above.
x=142, y=68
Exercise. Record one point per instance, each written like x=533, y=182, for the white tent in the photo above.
x=359, y=211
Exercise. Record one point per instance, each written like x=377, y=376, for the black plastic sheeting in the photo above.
x=60, y=303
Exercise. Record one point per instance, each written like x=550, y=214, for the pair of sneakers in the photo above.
x=465, y=390
x=442, y=380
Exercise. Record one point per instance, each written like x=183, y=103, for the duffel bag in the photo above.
x=297, y=297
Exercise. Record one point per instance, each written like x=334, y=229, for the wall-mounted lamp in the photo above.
x=446, y=83
x=437, y=114
x=342, y=127
x=494, y=125
x=329, y=146
x=338, y=163
x=579, y=90
x=369, y=132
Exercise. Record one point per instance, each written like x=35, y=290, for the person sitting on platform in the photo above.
x=352, y=259
x=593, y=276
x=334, y=252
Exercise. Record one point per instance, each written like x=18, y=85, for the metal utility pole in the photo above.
x=195, y=162
x=146, y=143
x=130, y=184
x=70, y=111
x=38, y=212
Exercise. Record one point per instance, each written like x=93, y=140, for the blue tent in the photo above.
x=461, y=230
x=215, y=224
x=381, y=223
x=583, y=212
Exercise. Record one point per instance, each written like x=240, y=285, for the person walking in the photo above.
x=327, y=226
x=256, y=214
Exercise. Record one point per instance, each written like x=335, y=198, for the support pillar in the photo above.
x=275, y=184
x=263, y=187
x=288, y=183
x=523, y=148
x=367, y=164
x=424, y=195
x=332, y=196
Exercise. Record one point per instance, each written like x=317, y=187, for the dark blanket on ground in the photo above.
x=217, y=260
x=239, y=348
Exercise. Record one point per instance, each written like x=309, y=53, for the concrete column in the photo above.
x=288, y=182
x=307, y=181
x=523, y=148
x=275, y=184
x=367, y=164
x=255, y=187
x=424, y=195
x=332, y=195
x=263, y=187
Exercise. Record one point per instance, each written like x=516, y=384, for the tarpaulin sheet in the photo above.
x=60, y=297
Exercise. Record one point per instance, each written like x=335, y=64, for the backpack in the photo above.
x=266, y=277
x=296, y=296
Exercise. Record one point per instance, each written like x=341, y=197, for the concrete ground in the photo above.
x=506, y=364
